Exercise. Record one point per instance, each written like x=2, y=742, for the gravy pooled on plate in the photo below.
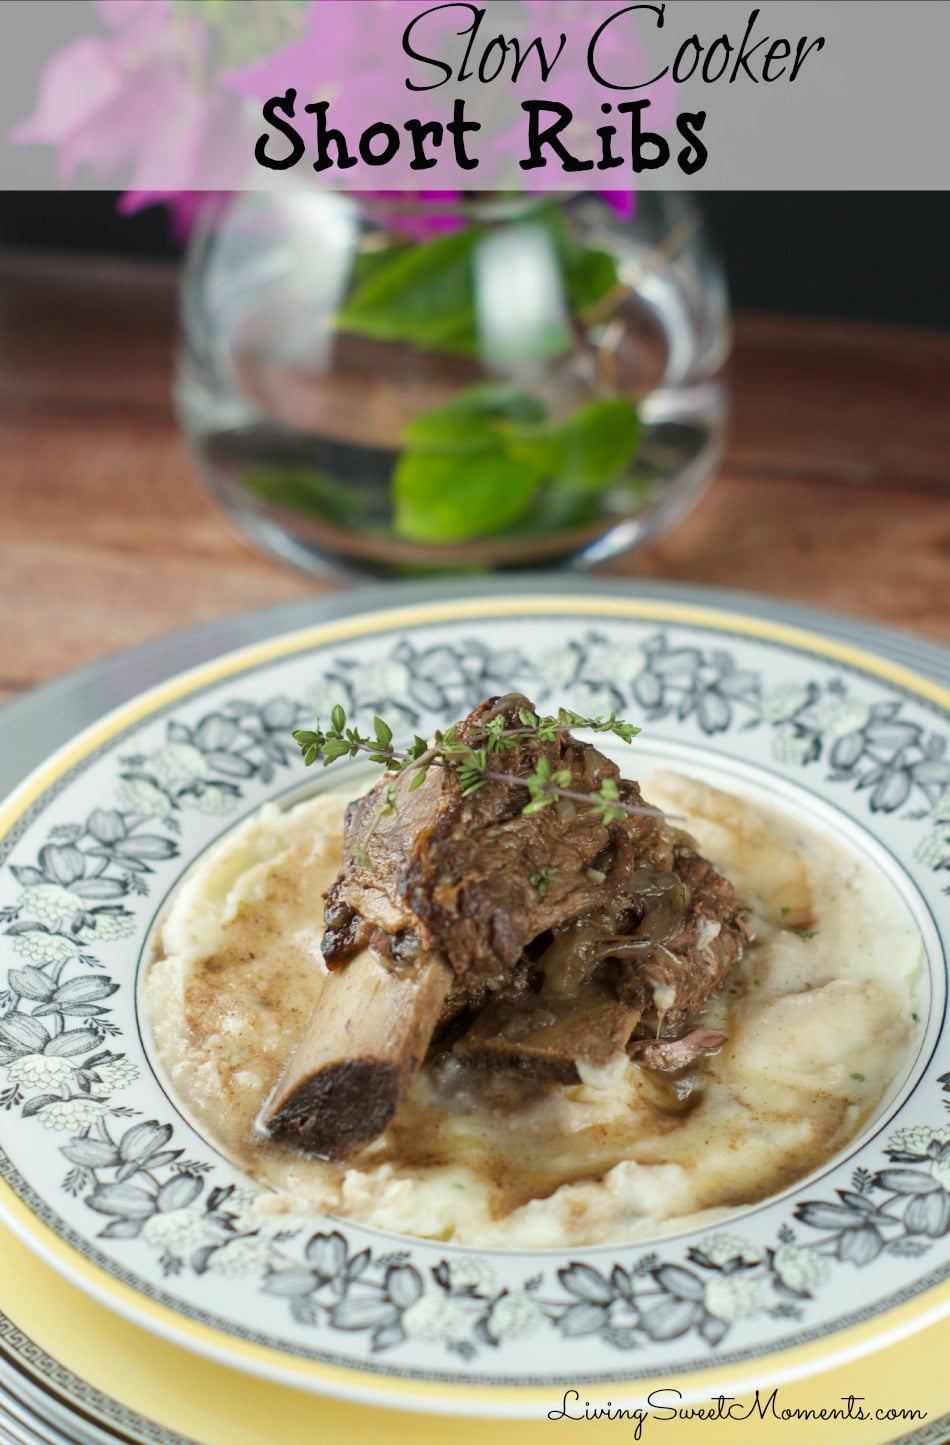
x=504, y=1156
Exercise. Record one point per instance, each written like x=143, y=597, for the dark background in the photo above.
x=874, y=257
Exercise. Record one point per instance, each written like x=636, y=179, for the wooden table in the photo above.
x=835, y=489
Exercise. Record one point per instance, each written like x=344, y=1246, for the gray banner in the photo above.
x=189, y=95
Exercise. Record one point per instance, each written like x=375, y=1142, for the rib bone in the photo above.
x=360, y=1053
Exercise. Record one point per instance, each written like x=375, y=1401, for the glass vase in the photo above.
x=381, y=386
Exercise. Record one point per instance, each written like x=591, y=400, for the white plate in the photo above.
x=104, y=1177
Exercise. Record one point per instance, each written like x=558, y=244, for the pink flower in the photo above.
x=623, y=202
x=184, y=207
x=145, y=100
x=137, y=98
x=347, y=55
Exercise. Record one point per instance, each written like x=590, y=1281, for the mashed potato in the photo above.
x=819, y=1020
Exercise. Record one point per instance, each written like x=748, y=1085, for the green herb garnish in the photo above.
x=474, y=766
x=542, y=880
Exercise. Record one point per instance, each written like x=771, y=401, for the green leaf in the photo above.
x=590, y=276
x=384, y=733
x=470, y=781
x=424, y=295
x=542, y=773
x=624, y=730
x=245, y=34
x=441, y=497
x=456, y=480
x=463, y=424
x=375, y=257
x=494, y=734
x=586, y=451
x=498, y=400
x=473, y=467
x=418, y=779
x=607, y=812
x=449, y=431
x=307, y=490
x=338, y=719
x=543, y=879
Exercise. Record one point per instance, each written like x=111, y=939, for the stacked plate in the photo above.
x=136, y=1310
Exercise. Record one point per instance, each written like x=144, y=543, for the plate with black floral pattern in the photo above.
x=106, y=1177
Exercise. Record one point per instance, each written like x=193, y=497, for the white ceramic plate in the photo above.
x=102, y=1176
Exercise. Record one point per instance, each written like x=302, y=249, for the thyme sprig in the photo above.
x=475, y=765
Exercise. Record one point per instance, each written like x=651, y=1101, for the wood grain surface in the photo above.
x=835, y=489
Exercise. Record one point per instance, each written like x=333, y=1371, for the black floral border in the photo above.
x=53, y=1028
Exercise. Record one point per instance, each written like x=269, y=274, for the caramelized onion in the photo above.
x=576, y=951
x=570, y=959
x=666, y=907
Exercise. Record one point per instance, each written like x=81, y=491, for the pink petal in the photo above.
x=623, y=202
x=132, y=201
x=167, y=158
x=184, y=207
x=124, y=14
x=75, y=84
x=117, y=134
